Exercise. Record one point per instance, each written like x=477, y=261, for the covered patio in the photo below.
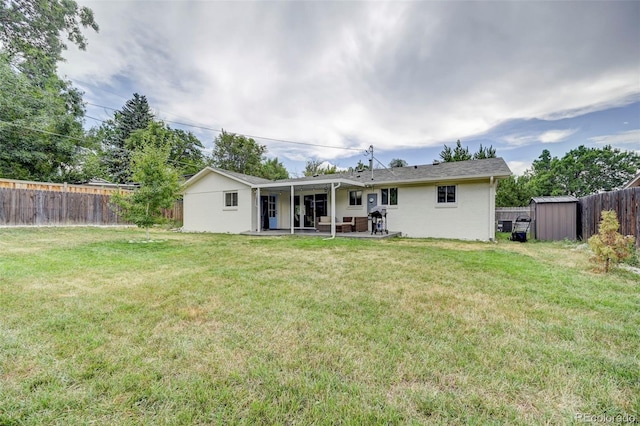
x=303, y=213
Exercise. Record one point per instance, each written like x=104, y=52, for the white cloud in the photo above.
x=395, y=75
x=554, y=136
x=518, y=167
x=630, y=137
x=549, y=136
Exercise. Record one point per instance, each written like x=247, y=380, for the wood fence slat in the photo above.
x=626, y=204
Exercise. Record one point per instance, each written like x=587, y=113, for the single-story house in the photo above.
x=442, y=200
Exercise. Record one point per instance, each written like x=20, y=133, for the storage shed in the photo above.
x=554, y=218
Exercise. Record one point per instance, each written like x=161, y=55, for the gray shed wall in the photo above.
x=554, y=221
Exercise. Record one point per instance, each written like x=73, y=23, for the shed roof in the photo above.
x=555, y=199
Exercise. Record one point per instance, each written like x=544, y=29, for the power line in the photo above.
x=212, y=129
x=41, y=131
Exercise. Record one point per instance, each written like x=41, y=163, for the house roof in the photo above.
x=633, y=182
x=471, y=169
x=555, y=199
x=239, y=177
x=461, y=170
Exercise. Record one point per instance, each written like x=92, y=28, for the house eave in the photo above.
x=435, y=180
x=308, y=183
x=202, y=173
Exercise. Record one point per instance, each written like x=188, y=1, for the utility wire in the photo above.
x=242, y=134
x=41, y=131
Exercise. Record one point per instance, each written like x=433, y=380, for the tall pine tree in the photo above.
x=135, y=115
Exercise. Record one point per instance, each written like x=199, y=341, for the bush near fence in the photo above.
x=626, y=204
x=40, y=203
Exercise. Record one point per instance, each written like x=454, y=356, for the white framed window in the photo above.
x=231, y=199
x=355, y=198
x=389, y=196
x=446, y=194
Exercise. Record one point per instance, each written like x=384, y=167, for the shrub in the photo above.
x=608, y=245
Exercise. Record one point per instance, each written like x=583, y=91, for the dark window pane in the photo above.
x=442, y=194
x=393, y=196
x=355, y=198
x=385, y=196
x=231, y=199
x=451, y=194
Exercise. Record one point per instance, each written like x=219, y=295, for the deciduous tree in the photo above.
x=158, y=187
x=317, y=167
x=513, y=192
x=237, y=153
x=41, y=133
x=32, y=31
x=273, y=169
x=185, y=150
x=397, y=162
x=583, y=171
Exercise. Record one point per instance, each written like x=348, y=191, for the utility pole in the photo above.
x=370, y=152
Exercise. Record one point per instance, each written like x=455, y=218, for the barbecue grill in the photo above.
x=520, y=229
x=378, y=216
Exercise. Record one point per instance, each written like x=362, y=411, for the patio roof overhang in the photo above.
x=309, y=184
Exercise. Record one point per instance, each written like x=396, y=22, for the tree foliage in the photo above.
x=608, y=245
x=459, y=153
x=113, y=134
x=583, y=171
x=317, y=167
x=158, y=187
x=237, y=153
x=32, y=31
x=41, y=135
x=273, y=169
x=513, y=192
x=185, y=150
x=484, y=152
x=397, y=162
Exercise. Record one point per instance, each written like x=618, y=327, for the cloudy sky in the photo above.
x=405, y=77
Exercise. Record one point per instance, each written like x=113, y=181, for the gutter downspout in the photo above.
x=333, y=209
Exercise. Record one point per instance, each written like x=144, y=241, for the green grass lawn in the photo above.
x=202, y=329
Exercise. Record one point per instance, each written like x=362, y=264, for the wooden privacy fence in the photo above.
x=626, y=204
x=511, y=213
x=38, y=203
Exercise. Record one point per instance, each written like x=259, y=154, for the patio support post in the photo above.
x=291, y=217
x=333, y=209
x=259, y=205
